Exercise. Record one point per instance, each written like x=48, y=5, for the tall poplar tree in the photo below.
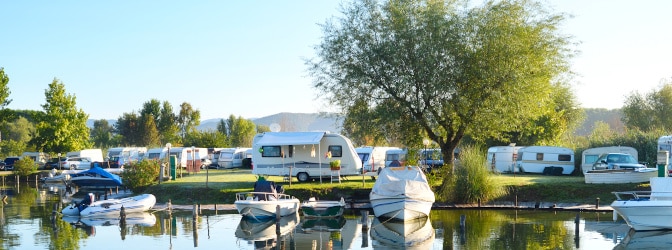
x=63, y=127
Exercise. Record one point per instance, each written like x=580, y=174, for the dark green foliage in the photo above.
x=139, y=175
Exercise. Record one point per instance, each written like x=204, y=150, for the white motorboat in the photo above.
x=401, y=193
x=265, y=201
x=318, y=208
x=111, y=207
x=611, y=176
x=647, y=210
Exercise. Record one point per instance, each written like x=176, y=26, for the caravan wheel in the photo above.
x=303, y=177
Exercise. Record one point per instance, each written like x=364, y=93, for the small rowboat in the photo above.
x=111, y=207
x=315, y=208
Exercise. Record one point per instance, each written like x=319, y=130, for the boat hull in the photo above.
x=317, y=209
x=266, y=209
x=113, y=207
x=643, y=215
x=401, y=208
x=616, y=176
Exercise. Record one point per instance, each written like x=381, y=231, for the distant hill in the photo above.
x=289, y=122
x=333, y=123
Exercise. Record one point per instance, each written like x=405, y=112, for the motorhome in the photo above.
x=304, y=155
x=232, y=157
x=395, y=157
x=589, y=156
x=502, y=159
x=39, y=158
x=94, y=154
x=373, y=158
x=545, y=160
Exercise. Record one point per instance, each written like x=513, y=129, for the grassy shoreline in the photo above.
x=223, y=184
x=220, y=187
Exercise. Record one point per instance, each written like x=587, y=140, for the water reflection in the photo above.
x=27, y=221
x=394, y=234
x=266, y=234
x=646, y=240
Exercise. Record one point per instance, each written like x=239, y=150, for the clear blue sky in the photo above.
x=246, y=57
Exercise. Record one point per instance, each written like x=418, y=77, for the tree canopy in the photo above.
x=442, y=70
x=63, y=127
x=650, y=111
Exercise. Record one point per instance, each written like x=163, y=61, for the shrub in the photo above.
x=472, y=181
x=139, y=175
x=25, y=166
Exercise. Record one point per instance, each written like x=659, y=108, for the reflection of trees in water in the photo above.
x=504, y=229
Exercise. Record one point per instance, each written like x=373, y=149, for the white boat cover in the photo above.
x=402, y=182
x=290, y=138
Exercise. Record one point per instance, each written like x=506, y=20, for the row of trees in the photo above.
x=61, y=126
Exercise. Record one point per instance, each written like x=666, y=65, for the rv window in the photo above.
x=336, y=150
x=590, y=159
x=564, y=157
x=270, y=151
x=291, y=150
x=540, y=156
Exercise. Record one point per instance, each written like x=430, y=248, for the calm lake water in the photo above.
x=27, y=221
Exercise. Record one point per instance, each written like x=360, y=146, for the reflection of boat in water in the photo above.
x=262, y=233
x=646, y=240
x=416, y=234
x=141, y=219
x=323, y=224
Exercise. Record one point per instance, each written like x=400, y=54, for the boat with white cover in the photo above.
x=647, y=210
x=262, y=203
x=401, y=193
x=89, y=207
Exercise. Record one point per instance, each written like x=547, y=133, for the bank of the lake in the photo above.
x=526, y=190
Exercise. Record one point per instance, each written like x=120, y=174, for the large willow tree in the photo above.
x=443, y=70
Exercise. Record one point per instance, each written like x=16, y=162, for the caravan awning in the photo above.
x=290, y=138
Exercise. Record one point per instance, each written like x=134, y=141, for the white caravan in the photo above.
x=39, y=158
x=95, y=154
x=183, y=156
x=373, y=158
x=589, y=156
x=128, y=154
x=157, y=154
x=665, y=144
x=395, y=157
x=232, y=157
x=545, y=160
x=502, y=159
x=303, y=155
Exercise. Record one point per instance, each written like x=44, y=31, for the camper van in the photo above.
x=94, y=154
x=502, y=159
x=545, y=160
x=395, y=157
x=373, y=158
x=232, y=157
x=304, y=155
x=589, y=156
